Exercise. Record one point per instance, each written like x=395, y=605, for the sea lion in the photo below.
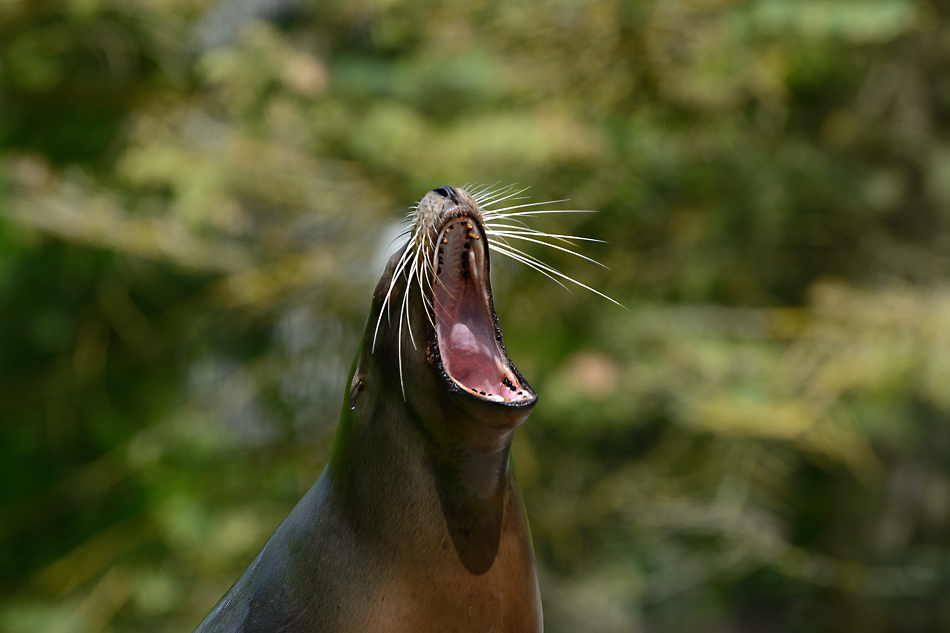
x=417, y=522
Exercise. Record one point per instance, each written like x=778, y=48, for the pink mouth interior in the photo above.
x=467, y=344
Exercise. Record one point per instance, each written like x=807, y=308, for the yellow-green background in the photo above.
x=195, y=196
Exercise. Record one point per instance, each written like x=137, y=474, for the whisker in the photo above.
x=555, y=271
x=549, y=211
x=413, y=270
x=404, y=312
x=398, y=237
x=526, y=259
x=501, y=212
x=402, y=386
x=397, y=272
x=503, y=195
x=482, y=193
x=548, y=244
x=517, y=230
x=494, y=221
x=491, y=211
x=530, y=231
x=429, y=278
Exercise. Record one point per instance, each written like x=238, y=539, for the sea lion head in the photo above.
x=433, y=330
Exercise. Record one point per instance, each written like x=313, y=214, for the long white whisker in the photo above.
x=429, y=277
x=525, y=259
x=502, y=195
x=401, y=235
x=539, y=265
x=485, y=193
x=482, y=193
x=517, y=230
x=397, y=271
x=530, y=231
x=399, y=350
x=492, y=211
x=495, y=221
x=404, y=312
x=505, y=216
x=501, y=212
x=413, y=272
x=548, y=244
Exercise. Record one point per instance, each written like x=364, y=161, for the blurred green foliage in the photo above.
x=196, y=197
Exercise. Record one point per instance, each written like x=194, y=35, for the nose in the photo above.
x=448, y=192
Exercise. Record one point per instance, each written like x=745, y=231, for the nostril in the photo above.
x=448, y=192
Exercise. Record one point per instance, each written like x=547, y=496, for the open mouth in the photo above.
x=469, y=341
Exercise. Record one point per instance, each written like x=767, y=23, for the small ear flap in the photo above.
x=356, y=386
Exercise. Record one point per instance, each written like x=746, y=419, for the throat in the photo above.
x=475, y=524
x=383, y=461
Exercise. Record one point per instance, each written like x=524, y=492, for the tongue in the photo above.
x=470, y=361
